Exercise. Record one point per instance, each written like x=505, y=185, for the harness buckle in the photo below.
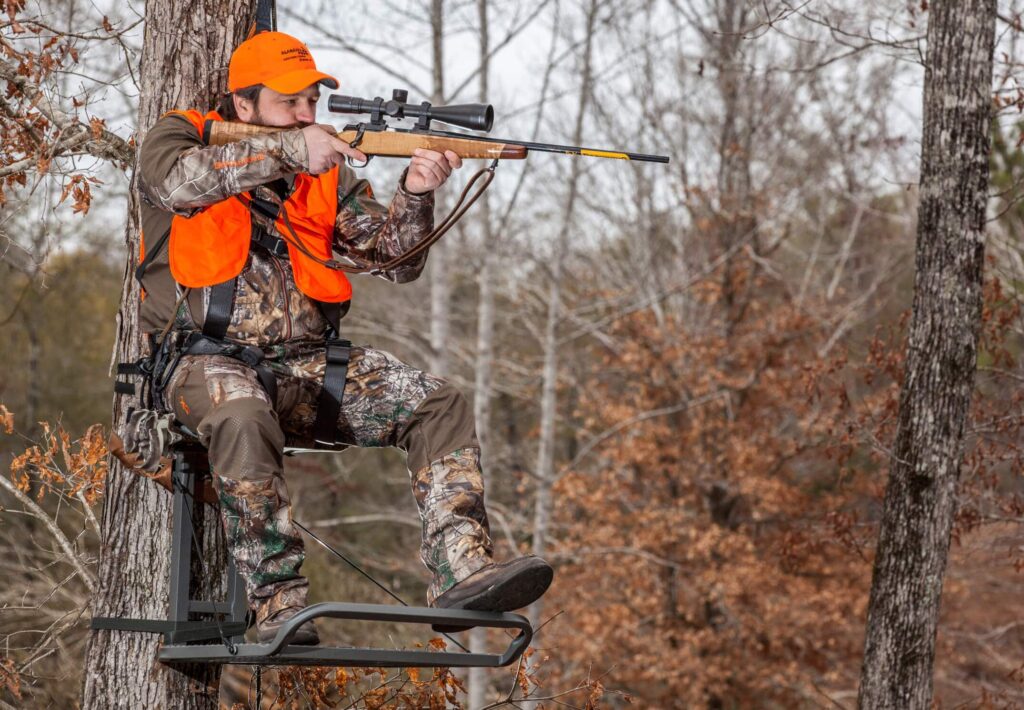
x=280, y=248
x=276, y=247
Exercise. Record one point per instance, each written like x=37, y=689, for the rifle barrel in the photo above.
x=551, y=148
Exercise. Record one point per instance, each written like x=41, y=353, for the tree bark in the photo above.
x=186, y=49
x=920, y=500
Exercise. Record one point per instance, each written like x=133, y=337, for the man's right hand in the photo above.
x=326, y=150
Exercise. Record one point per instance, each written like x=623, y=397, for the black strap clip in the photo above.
x=277, y=247
x=142, y=366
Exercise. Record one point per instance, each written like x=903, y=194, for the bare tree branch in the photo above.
x=15, y=255
x=96, y=141
x=58, y=535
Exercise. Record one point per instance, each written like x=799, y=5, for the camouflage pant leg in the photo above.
x=450, y=495
x=222, y=400
x=388, y=403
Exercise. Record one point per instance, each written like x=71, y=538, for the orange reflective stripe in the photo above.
x=212, y=246
x=220, y=165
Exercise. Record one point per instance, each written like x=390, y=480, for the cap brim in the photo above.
x=296, y=81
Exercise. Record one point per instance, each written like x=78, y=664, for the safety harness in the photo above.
x=167, y=349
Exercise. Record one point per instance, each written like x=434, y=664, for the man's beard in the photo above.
x=258, y=120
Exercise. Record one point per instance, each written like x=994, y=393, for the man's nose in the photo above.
x=306, y=112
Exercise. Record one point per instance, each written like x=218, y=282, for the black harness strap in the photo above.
x=268, y=210
x=215, y=328
x=337, y=349
x=218, y=313
x=266, y=16
x=151, y=255
x=337, y=353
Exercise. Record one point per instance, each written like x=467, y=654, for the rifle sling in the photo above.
x=461, y=206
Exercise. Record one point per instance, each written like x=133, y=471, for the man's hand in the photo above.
x=326, y=150
x=429, y=169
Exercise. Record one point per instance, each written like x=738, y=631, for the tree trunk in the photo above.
x=32, y=374
x=476, y=686
x=920, y=500
x=440, y=276
x=185, y=56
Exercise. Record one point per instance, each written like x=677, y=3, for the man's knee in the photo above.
x=244, y=439
x=442, y=423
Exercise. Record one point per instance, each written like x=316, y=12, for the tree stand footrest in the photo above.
x=278, y=652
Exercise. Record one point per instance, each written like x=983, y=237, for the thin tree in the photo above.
x=920, y=499
x=440, y=271
x=185, y=55
x=476, y=686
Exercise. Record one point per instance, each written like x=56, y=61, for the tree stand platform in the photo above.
x=218, y=636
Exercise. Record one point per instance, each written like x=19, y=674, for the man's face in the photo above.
x=283, y=110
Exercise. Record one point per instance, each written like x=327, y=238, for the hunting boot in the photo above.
x=500, y=586
x=457, y=545
x=272, y=613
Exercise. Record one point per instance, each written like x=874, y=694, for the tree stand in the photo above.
x=217, y=636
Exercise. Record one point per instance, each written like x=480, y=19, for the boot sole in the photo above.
x=522, y=590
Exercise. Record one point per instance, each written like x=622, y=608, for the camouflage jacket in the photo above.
x=179, y=174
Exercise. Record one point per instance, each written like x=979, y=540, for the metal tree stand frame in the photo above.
x=218, y=637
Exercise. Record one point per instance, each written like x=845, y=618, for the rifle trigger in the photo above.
x=360, y=130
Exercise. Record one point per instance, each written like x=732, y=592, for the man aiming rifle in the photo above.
x=243, y=310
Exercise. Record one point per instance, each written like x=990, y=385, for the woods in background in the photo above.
x=687, y=380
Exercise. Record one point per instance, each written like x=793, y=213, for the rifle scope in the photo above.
x=477, y=117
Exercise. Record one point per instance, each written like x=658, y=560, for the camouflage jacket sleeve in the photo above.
x=367, y=232
x=180, y=174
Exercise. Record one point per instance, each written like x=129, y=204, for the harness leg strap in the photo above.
x=329, y=405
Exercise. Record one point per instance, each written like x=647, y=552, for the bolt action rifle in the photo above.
x=377, y=138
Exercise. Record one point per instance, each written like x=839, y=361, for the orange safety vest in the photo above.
x=212, y=246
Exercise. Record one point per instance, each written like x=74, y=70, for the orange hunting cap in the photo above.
x=276, y=60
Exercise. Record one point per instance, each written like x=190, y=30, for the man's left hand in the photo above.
x=429, y=169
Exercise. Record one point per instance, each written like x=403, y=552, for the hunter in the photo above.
x=245, y=317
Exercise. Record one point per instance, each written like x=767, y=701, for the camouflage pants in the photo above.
x=386, y=403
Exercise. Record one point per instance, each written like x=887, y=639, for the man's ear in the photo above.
x=245, y=109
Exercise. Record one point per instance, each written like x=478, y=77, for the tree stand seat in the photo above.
x=218, y=636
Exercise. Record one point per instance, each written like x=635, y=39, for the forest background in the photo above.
x=685, y=376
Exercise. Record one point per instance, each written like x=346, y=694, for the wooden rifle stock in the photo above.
x=393, y=144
